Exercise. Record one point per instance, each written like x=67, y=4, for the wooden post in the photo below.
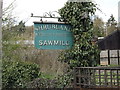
x=118, y=57
x=118, y=78
x=1, y=3
x=1, y=29
x=74, y=77
x=108, y=57
x=105, y=78
x=99, y=73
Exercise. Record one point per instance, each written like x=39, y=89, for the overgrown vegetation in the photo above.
x=49, y=73
x=16, y=74
x=19, y=58
x=62, y=81
x=83, y=53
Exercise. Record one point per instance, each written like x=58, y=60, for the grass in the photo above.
x=112, y=65
x=47, y=76
x=108, y=79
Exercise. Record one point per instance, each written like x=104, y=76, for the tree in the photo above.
x=98, y=27
x=20, y=28
x=15, y=72
x=7, y=18
x=83, y=53
x=8, y=21
x=10, y=28
x=111, y=25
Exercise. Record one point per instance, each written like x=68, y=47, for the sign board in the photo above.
x=52, y=35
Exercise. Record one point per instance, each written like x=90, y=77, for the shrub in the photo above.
x=16, y=74
x=62, y=81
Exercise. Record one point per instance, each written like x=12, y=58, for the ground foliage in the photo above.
x=62, y=81
x=78, y=15
x=18, y=74
x=15, y=74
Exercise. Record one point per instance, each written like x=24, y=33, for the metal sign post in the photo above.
x=52, y=35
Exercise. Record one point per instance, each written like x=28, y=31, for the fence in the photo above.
x=97, y=77
x=108, y=57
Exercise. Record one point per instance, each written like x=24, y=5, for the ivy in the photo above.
x=83, y=53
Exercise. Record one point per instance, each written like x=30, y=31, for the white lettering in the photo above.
x=53, y=42
x=53, y=27
x=67, y=43
x=37, y=28
x=40, y=42
x=56, y=42
x=63, y=43
x=50, y=43
x=60, y=42
x=45, y=43
x=41, y=28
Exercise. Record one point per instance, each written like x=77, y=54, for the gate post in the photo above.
x=108, y=57
x=74, y=77
x=118, y=57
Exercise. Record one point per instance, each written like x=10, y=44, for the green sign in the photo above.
x=53, y=35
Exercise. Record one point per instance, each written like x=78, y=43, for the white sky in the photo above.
x=24, y=8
